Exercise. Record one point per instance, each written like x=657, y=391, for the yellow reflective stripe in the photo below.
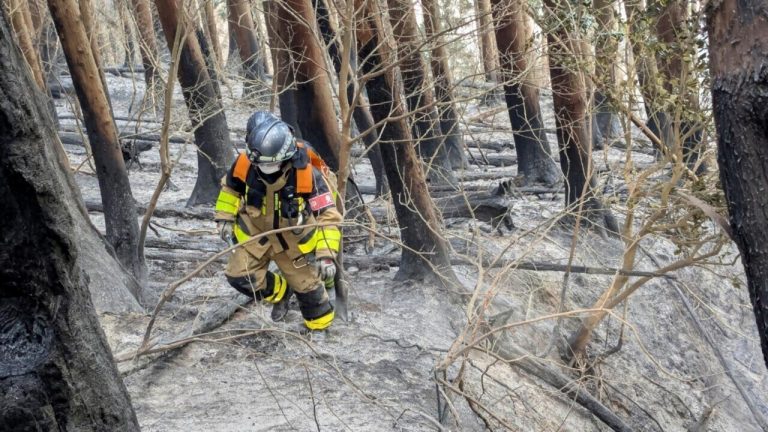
x=227, y=202
x=240, y=235
x=330, y=239
x=279, y=290
x=320, y=323
x=324, y=238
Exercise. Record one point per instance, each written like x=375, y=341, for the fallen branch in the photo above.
x=533, y=366
x=203, y=213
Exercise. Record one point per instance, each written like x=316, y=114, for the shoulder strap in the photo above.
x=241, y=167
x=304, y=179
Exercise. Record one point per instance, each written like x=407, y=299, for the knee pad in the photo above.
x=273, y=291
x=316, y=308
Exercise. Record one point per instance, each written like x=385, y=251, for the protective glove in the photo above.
x=225, y=230
x=326, y=268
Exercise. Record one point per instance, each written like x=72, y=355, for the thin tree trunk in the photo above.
x=241, y=22
x=56, y=371
x=17, y=10
x=263, y=48
x=569, y=93
x=645, y=66
x=130, y=46
x=486, y=42
x=738, y=47
x=418, y=94
x=606, y=58
x=360, y=114
x=119, y=206
x=426, y=253
x=147, y=42
x=513, y=36
x=449, y=123
x=284, y=69
x=675, y=61
x=214, y=154
x=212, y=32
x=318, y=121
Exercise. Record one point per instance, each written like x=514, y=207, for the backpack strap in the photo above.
x=304, y=179
x=242, y=164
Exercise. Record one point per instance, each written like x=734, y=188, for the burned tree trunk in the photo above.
x=56, y=369
x=675, y=60
x=569, y=94
x=241, y=23
x=418, y=94
x=119, y=206
x=360, y=114
x=449, y=124
x=147, y=44
x=427, y=251
x=206, y=112
x=738, y=47
x=513, y=35
x=317, y=121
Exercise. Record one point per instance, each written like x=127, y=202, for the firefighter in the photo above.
x=281, y=183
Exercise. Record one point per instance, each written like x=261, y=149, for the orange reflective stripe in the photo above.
x=304, y=179
x=241, y=167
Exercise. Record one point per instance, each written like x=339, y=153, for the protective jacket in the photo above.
x=298, y=195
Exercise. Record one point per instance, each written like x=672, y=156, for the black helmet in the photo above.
x=256, y=119
x=269, y=139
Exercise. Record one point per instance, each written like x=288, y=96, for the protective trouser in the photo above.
x=248, y=274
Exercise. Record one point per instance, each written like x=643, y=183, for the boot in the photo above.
x=280, y=309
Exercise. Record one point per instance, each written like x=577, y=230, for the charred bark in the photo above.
x=418, y=95
x=427, y=252
x=738, y=47
x=56, y=369
x=360, y=114
x=569, y=94
x=513, y=36
x=453, y=140
x=119, y=206
x=206, y=112
x=241, y=23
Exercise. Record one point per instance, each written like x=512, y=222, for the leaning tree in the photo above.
x=56, y=369
x=738, y=47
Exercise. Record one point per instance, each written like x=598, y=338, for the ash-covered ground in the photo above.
x=394, y=365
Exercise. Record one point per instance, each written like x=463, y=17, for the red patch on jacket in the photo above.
x=321, y=201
